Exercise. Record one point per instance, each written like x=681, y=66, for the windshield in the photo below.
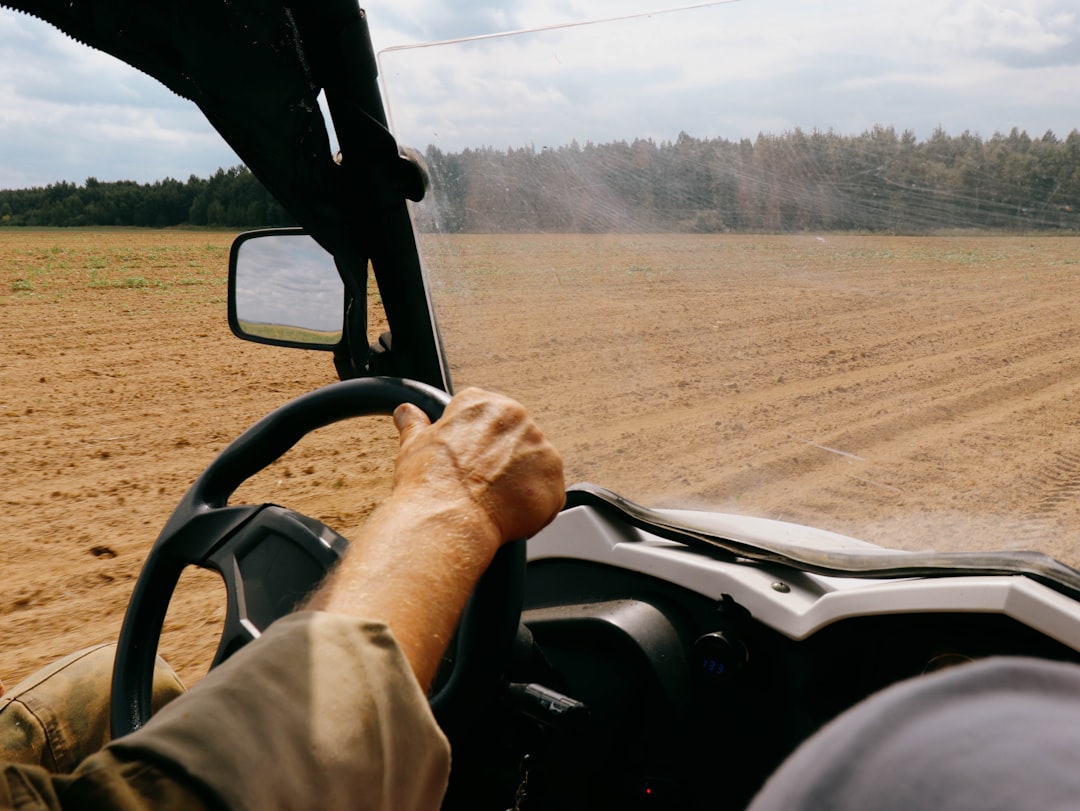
x=756, y=259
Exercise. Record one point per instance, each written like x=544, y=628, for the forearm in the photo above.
x=412, y=566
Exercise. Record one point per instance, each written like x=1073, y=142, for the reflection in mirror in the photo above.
x=286, y=290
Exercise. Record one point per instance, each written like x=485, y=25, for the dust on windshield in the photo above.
x=770, y=264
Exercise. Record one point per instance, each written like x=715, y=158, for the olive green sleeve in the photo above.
x=322, y=712
x=109, y=783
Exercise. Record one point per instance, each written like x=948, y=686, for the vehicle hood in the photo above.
x=768, y=541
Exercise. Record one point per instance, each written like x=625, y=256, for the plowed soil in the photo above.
x=119, y=383
x=835, y=399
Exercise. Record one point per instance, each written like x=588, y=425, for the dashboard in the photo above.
x=632, y=690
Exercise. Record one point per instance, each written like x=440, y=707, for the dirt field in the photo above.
x=915, y=392
x=119, y=383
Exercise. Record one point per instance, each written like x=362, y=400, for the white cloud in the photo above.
x=68, y=112
x=1029, y=26
x=739, y=69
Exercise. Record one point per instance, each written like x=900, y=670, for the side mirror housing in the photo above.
x=285, y=290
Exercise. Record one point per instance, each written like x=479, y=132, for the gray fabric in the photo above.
x=995, y=735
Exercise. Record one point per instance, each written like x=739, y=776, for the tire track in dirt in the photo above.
x=1055, y=493
x=1059, y=484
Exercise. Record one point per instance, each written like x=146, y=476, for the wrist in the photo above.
x=453, y=526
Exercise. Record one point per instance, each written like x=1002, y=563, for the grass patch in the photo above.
x=57, y=262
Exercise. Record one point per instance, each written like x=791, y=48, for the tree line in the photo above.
x=880, y=180
x=231, y=198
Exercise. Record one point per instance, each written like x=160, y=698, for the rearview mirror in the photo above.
x=284, y=289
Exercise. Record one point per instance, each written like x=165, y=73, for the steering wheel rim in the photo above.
x=205, y=531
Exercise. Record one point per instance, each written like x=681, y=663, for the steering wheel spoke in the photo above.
x=270, y=565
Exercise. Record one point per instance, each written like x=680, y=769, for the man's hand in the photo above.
x=486, y=450
x=481, y=476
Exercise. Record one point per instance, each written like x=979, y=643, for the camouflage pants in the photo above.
x=60, y=714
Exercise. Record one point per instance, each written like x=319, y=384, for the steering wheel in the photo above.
x=270, y=557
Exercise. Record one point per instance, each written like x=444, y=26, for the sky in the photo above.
x=727, y=70
x=289, y=280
